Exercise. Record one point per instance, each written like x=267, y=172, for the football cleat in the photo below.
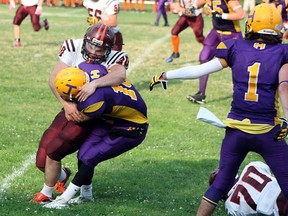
x=81, y=199
x=41, y=198
x=198, y=98
x=58, y=203
x=60, y=186
x=17, y=44
x=173, y=56
x=46, y=24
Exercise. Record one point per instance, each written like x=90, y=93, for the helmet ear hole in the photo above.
x=68, y=81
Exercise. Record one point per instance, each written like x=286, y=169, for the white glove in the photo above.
x=11, y=5
x=38, y=10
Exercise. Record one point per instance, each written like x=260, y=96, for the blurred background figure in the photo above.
x=161, y=11
x=248, y=5
x=186, y=19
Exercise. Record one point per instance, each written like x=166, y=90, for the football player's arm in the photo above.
x=237, y=14
x=196, y=71
x=283, y=95
x=283, y=89
x=116, y=76
x=71, y=111
x=111, y=20
x=190, y=72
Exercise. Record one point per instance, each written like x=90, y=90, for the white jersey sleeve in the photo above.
x=70, y=52
x=256, y=191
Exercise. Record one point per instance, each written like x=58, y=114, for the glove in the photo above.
x=92, y=20
x=189, y=11
x=11, y=5
x=216, y=15
x=156, y=80
x=38, y=10
x=281, y=135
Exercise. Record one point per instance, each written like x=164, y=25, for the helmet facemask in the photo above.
x=97, y=43
x=89, y=49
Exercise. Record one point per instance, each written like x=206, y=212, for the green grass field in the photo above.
x=166, y=175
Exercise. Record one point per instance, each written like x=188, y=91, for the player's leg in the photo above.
x=207, y=53
x=180, y=25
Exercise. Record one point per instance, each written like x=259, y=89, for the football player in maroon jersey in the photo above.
x=94, y=48
x=187, y=18
x=32, y=8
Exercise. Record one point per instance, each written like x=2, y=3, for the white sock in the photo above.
x=70, y=192
x=47, y=191
x=62, y=175
x=86, y=190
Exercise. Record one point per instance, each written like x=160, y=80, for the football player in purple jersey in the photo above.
x=161, y=11
x=119, y=124
x=226, y=15
x=259, y=73
x=187, y=18
x=95, y=48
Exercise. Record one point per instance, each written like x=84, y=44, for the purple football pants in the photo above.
x=209, y=48
x=102, y=144
x=235, y=146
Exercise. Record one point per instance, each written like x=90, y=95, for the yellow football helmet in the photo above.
x=264, y=19
x=68, y=81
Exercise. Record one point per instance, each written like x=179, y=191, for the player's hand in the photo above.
x=281, y=134
x=85, y=91
x=158, y=79
x=216, y=15
x=189, y=11
x=72, y=113
x=92, y=20
x=11, y=5
x=38, y=10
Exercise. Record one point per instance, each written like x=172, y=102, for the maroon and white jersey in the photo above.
x=102, y=9
x=70, y=54
x=29, y=2
x=256, y=191
x=187, y=3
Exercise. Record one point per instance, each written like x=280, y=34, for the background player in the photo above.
x=225, y=19
x=106, y=12
x=187, y=18
x=32, y=8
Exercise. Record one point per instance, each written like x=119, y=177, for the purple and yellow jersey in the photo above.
x=222, y=6
x=121, y=103
x=94, y=71
x=255, y=67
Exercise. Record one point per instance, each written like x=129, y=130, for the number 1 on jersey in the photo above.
x=253, y=71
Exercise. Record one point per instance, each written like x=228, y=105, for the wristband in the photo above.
x=224, y=16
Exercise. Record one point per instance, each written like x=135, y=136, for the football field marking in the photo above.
x=141, y=58
x=17, y=172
